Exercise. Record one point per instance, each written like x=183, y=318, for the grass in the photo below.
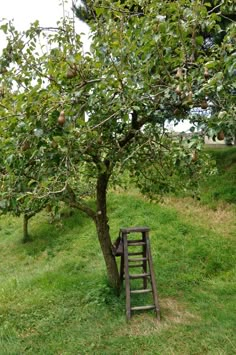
x=221, y=187
x=54, y=298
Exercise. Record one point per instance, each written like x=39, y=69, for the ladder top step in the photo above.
x=134, y=229
x=140, y=308
x=145, y=290
x=139, y=276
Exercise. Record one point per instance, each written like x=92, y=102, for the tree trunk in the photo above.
x=103, y=232
x=26, y=237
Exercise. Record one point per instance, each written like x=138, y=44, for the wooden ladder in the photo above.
x=137, y=258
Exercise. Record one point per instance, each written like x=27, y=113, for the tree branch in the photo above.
x=132, y=132
x=216, y=7
x=104, y=121
x=87, y=82
x=72, y=200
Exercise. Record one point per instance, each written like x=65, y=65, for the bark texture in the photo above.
x=104, y=234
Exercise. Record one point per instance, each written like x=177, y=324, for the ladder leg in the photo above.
x=121, y=269
x=127, y=281
x=144, y=256
x=153, y=281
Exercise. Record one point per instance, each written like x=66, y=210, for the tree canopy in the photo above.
x=71, y=123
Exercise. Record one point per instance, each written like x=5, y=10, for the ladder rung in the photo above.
x=137, y=259
x=139, y=308
x=132, y=241
x=139, y=276
x=136, y=265
x=136, y=253
x=135, y=243
x=145, y=290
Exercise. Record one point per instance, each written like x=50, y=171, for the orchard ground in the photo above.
x=54, y=297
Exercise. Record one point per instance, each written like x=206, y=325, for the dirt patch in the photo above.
x=172, y=314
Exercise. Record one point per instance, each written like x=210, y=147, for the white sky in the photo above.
x=26, y=11
x=48, y=12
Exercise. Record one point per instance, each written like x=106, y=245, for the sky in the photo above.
x=48, y=12
x=26, y=11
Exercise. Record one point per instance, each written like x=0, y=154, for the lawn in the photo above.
x=54, y=298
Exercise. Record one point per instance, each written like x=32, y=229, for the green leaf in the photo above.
x=4, y=28
x=99, y=11
x=199, y=40
x=211, y=64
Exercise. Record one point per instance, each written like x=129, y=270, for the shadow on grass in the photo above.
x=57, y=235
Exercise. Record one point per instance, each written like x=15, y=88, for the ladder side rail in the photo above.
x=122, y=269
x=127, y=280
x=145, y=255
x=153, y=281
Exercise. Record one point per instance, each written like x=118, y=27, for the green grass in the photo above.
x=222, y=186
x=54, y=298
